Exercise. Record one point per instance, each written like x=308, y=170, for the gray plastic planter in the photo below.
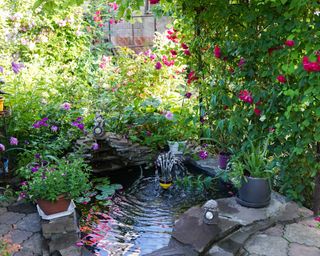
x=254, y=192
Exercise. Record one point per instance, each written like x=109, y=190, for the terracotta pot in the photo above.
x=49, y=207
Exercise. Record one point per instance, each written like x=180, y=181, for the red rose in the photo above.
x=281, y=79
x=289, y=43
x=217, y=52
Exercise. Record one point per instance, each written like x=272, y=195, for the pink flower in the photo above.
x=184, y=46
x=289, y=43
x=148, y=133
x=281, y=79
x=173, y=53
x=187, y=52
x=246, y=96
x=169, y=115
x=217, y=52
x=257, y=111
x=317, y=219
x=114, y=6
x=153, y=56
x=241, y=62
x=13, y=141
x=158, y=65
x=192, y=77
x=154, y=1
x=66, y=106
x=311, y=66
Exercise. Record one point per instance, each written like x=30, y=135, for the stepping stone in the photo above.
x=277, y=230
x=4, y=229
x=301, y=234
x=30, y=223
x=3, y=210
x=18, y=236
x=267, y=245
x=10, y=218
x=299, y=250
x=33, y=244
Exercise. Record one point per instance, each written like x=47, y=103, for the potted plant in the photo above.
x=251, y=171
x=53, y=184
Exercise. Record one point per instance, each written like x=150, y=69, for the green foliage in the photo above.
x=195, y=182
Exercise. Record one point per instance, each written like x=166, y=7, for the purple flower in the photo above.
x=81, y=126
x=16, y=67
x=2, y=148
x=37, y=156
x=14, y=141
x=26, y=142
x=158, y=65
x=54, y=128
x=66, y=106
x=75, y=123
x=1, y=69
x=188, y=95
x=95, y=146
x=23, y=183
x=22, y=195
x=169, y=115
x=40, y=123
x=79, y=119
x=35, y=168
x=203, y=154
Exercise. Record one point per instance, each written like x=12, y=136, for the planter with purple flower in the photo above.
x=53, y=184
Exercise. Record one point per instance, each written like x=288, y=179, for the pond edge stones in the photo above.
x=229, y=229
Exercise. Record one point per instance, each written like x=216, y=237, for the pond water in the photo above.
x=142, y=215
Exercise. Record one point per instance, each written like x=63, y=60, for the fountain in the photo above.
x=168, y=168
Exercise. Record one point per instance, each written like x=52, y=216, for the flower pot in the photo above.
x=1, y=104
x=254, y=192
x=49, y=207
x=223, y=160
x=177, y=147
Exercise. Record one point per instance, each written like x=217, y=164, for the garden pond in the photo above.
x=142, y=214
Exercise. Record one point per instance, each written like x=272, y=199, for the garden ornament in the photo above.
x=210, y=212
x=98, y=129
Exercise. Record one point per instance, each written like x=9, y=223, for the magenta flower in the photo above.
x=289, y=43
x=153, y=56
x=217, y=52
x=242, y=61
x=203, y=154
x=169, y=115
x=257, y=111
x=317, y=219
x=81, y=126
x=188, y=95
x=95, y=146
x=35, y=168
x=14, y=141
x=158, y=65
x=282, y=79
x=184, y=46
x=40, y=123
x=187, y=52
x=148, y=133
x=23, y=183
x=246, y=96
x=54, y=128
x=66, y=106
x=2, y=148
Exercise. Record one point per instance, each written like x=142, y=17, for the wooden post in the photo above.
x=316, y=194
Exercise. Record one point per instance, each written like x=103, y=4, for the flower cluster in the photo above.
x=41, y=123
x=78, y=123
x=192, y=77
x=311, y=66
x=203, y=154
x=246, y=96
x=172, y=35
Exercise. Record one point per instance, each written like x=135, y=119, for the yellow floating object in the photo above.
x=165, y=185
x=1, y=104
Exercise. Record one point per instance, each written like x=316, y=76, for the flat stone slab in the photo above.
x=18, y=236
x=10, y=218
x=30, y=223
x=33, y=244
x=277, y=230
x=3, y=210
x=22, y=207
x=4, y=229
x=228, y=207
x=302, y=250
x=301, y=234
x=191, y=230
x=267, y=245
